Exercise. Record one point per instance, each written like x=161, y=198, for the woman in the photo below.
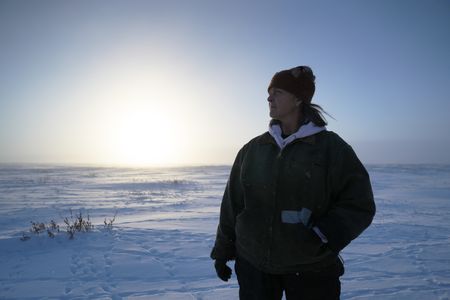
x=296, y=196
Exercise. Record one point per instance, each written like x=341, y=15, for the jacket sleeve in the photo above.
x=352, y=205
x=232, y=204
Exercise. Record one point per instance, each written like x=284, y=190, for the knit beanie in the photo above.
x=299, y=81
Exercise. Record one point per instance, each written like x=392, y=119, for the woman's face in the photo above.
x=282, y=104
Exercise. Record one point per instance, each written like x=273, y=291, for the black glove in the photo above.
x=222, y=270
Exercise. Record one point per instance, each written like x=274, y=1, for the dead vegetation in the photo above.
x=109, y=224
x=77, y=224
x=73, y=224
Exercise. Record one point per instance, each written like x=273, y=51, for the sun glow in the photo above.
x=144, y=137
x=137, y=115
x=139, y=125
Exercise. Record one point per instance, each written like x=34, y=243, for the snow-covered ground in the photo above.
x=159, y=244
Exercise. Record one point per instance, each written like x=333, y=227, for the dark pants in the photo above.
x=319, y=285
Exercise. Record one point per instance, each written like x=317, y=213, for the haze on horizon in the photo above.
x=169, y=83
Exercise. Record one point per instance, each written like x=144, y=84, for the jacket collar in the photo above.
x=306, y=133
x=266, y=138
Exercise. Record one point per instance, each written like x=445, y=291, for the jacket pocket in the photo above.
x=301, y=245
x=250, y=232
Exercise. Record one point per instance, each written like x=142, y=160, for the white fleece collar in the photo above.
x=305, y=130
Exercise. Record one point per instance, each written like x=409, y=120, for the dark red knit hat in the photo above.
x=299, y=81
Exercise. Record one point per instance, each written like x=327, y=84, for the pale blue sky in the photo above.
x=181, y=82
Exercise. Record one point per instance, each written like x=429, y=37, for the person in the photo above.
x=296, y=196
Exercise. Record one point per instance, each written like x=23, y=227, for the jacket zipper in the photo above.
x=279, y=157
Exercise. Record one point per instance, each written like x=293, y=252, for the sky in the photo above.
x=185, y=82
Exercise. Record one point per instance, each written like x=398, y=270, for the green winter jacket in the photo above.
x=319, y=172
